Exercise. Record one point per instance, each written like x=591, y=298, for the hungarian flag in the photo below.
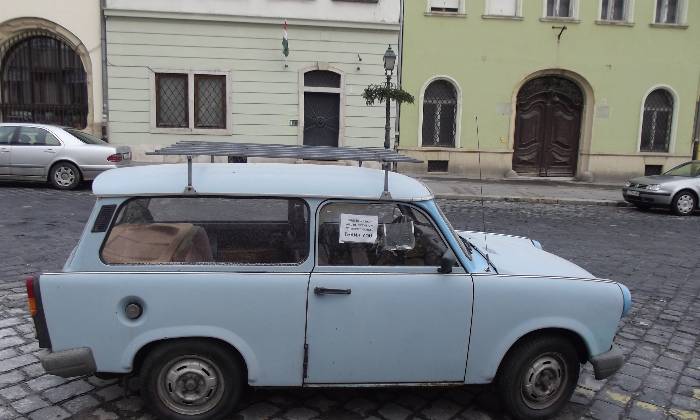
x=285, y=41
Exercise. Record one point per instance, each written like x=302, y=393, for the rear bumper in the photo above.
x=69, y=363
x=606, y=364
x=90, y=172
x=648, y=198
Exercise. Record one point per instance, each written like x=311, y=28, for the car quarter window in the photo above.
x=377, y=234
x=35, y=136
x=214, y=230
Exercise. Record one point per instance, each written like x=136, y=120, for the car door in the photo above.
x=32, y=151
x=6, y=134
x=378, y=310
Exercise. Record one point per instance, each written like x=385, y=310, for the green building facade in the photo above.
x=592, y=89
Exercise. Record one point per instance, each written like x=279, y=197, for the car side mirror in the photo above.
x=447, y=262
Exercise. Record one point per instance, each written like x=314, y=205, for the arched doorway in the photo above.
x=548, y=127
x=43, y=80
x=322, y=121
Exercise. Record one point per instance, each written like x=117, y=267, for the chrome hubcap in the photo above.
x=544, y=381
x=686, y=203
x=190, y=385
x=64, y=176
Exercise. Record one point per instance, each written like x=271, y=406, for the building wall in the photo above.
x=491, y=58
x=264, y=95
x=78, y=21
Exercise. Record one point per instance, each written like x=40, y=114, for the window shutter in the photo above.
x=502, y=7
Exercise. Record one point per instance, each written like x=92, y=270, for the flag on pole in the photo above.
x=285, y=42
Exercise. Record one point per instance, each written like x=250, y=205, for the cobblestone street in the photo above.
x=656, y=254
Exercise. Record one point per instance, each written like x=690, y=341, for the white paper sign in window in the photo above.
x=358, y=228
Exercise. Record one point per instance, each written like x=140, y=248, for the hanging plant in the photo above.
x=380, y=93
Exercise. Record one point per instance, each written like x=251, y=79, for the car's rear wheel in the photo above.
x=64, y=176
x=684, y=203
x=191, y=380
x=538, y=377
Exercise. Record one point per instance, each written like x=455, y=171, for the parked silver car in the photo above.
x=62, y=156
x=678, y=189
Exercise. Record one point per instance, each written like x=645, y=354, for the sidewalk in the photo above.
x=529, y=191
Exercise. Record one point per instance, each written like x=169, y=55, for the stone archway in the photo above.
x=17, y=31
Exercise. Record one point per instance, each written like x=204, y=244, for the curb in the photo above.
x=534, y=200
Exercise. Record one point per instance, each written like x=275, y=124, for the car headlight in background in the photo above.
x=628, y=184
x=654, y=187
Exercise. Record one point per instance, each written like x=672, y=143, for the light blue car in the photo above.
x=277, y=275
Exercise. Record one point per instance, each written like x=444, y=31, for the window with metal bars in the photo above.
x=440, y=114
x=209, y=101
x=657, y=122
x=171, y=100
x=614, y=10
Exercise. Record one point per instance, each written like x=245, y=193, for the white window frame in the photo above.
x=682, y=14
x=462, y=11
x=674, y=119
x=628, y=15
x=574, y=12
x=458, y=130
x=341, y=91
x=518, y=10
x=190, y=129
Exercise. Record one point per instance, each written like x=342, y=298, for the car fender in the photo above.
x=60, y=157
x=192, y=331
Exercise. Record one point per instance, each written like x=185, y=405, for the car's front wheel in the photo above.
x=191, y=380
x=538, y=377
x=64, y=176
x=684, y=203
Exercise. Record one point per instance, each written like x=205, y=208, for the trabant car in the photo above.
x=283, y=275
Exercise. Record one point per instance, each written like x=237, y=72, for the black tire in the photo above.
x=65, y=176
x=684, y=203
x=189, y=362
x=540, y=354
x=642, y=207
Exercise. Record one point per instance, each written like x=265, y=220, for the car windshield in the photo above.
x=689, y=169
x=85, y=137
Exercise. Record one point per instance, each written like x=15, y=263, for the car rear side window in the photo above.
x=377, y=234
x=209, y=230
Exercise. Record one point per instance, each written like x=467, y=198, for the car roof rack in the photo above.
x=283, y=151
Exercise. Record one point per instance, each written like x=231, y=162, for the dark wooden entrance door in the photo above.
x=548, y=127
x=321, y=118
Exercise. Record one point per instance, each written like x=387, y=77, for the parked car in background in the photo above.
x=62, y=156
x=678, y=189
x=322, y=279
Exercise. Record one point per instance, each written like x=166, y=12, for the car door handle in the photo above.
x=325, y=291
x=49, y=151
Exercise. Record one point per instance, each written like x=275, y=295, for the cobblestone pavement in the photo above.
x=655, y=254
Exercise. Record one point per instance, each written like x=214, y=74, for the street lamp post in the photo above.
x=389, y=63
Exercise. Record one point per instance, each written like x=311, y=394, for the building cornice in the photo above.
x=379, y=26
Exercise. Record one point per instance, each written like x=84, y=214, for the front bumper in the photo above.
x=646, y=197
x=604, y=365
x=69, y=363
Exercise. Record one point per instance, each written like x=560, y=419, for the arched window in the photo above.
x=440, y=103
x=43, y=80
x=657, y=121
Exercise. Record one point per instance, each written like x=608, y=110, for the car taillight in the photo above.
x=31, y=298
x=117, y=157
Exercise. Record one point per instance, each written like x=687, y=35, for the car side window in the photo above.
x=35, y=136
x=377, y=234
x=6, y=134
x=213, y=230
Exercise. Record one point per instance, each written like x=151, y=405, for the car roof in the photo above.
x=259, y=179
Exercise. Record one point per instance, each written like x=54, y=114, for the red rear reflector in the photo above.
x=117, y=157
x=31, y=299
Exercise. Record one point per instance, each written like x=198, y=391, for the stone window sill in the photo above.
x=559, y=20
x=446, y=14
x=614, y=23
x=668, y=25
x=502, y=17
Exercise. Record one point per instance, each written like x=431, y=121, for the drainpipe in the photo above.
x=397, y=123
x=103, y=41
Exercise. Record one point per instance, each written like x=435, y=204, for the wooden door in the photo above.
x=548, y=127
x=321, y=118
